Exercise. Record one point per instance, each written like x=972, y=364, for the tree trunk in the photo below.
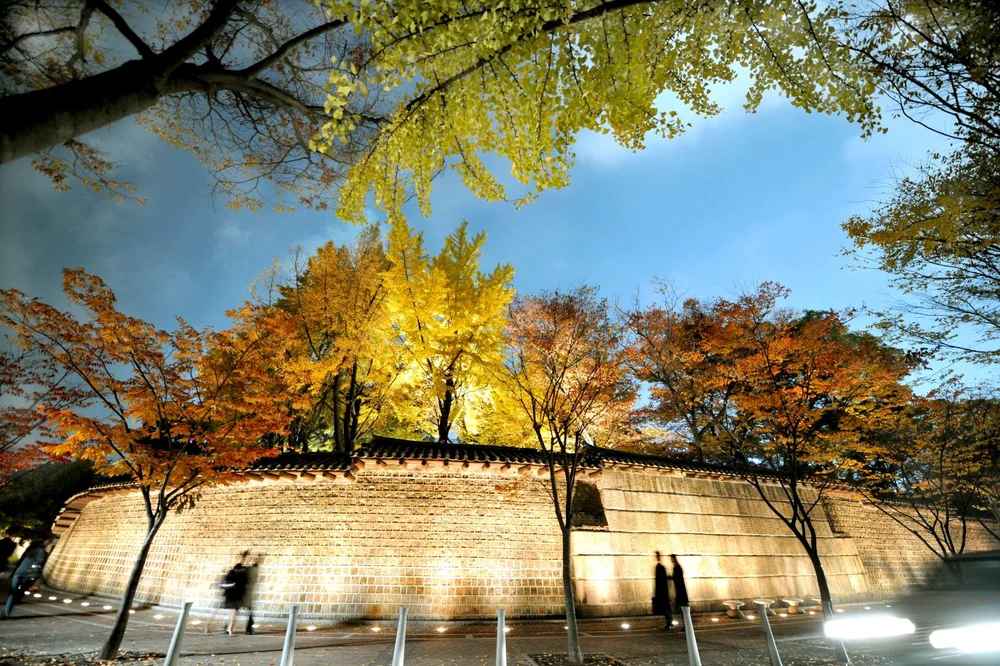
x=338, y=435
x=41, y=119
x=572, y=633
x=826, y=599
x=110, y=648
x=444, y=422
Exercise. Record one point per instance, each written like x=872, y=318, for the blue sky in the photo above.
x=741, y=198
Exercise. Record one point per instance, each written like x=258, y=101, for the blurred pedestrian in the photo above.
x=680, y=589
x=252, y=572
x=661, y=594
x=234, y=589
x=25, y=574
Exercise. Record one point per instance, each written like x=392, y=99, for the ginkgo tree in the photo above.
x=174, y=412
x=520, y=80
x=414, y=86
x=450, y=318
x=342, y=357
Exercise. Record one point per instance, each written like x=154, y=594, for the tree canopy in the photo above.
x=413, y=87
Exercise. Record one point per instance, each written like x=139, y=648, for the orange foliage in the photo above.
x=174, y=411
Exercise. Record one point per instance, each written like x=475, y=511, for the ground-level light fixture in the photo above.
x=812, y=612
x=782, y=614
x=157, y=617
x=715, y=619
x=131, y=611
x=506, y=629
x=626, y=625
x=36, y=595
x=675, y=622
x=441, y=630
x=53, y=598
x=868, y=607
x=751, y=617
x=84, y=603
x=107, y=608
x=376, y=629
x=67, y=601
x=311, y=627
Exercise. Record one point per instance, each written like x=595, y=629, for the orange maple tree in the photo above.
x=566, y=368
x=804, y=392
x=27, y=382
x=173, y=412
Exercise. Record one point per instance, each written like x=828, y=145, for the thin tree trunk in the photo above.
x=444, y=422
x=110, y=648
x=338, y=435
x=826, y=599
x=572, y=633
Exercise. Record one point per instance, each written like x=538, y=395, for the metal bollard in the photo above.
x=838, y=645
x=288, y=651
x=400, y=648
x=765, y=624
x=501, y=637
x=692, y=643
x=175, y=643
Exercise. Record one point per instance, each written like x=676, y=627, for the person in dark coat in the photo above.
x=252, y=572
x=680, y=589
x=234, y=589
x=661, y=594
x=27, y=572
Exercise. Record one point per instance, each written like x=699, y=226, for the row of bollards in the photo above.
x=399, y=650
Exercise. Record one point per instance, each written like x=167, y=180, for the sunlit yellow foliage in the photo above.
x=521, y=79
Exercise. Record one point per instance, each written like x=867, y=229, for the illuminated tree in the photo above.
x=567, y=369
x=175, y=412
x=450, y=317
x=676, y=356
x=804, y=392
x=344, y=358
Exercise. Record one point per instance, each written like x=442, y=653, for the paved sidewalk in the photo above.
x=51, y=627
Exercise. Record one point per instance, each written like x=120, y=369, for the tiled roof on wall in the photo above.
x=389, y=448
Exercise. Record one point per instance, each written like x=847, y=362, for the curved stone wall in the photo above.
x=457, y=544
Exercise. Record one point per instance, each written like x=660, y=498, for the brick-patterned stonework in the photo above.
x=894, y=558
x=454, y=543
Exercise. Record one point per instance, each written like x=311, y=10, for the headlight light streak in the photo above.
x=971, y=639
x=868, y=626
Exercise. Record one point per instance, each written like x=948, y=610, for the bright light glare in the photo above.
x=376, y=629
x=812, y=612
x=67, y=601
x=972, y=639
x=675, y=622
x=157, y=617
x=625, y=625
x=311, y=627
x=440, y=630
x=870, y=626
x=131, y=612
x=195, y=621
x=751, y=617
x=715, y=619
x=782, y=614
x=506, y=629
x=106, y=607
x=53, y=598
x=36, y=595
x=84, y=603
x=840, y=610
x=868, y=607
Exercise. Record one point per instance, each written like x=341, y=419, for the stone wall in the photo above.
x=457, y=544
x=728, y=540
x=894, y=558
